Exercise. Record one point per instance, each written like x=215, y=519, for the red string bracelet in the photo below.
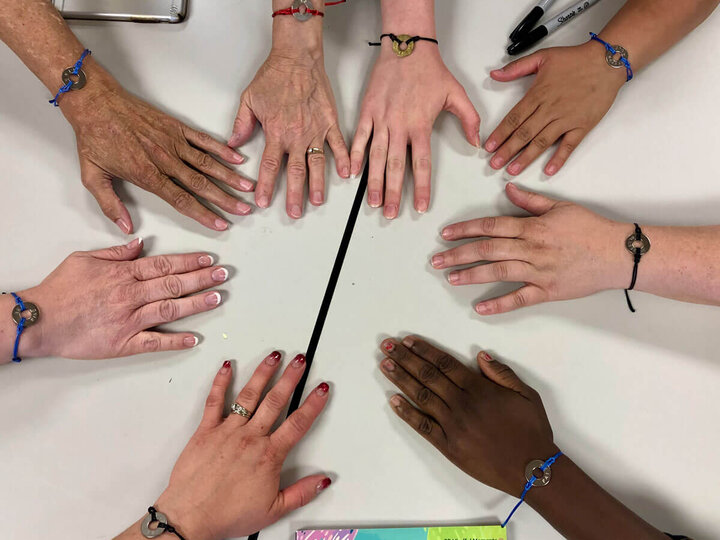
x=303, y=9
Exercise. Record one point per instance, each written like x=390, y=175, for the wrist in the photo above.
x=30, y=345
x=186, y=518
x=594, y=53
x=299, y=40
x=77, y=104
x=616, y=271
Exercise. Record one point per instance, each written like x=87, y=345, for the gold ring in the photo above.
x=315, y=150
x=239, y=409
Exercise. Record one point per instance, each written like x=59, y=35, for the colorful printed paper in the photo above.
x=485, y=532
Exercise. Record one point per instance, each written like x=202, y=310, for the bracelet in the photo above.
x=611, y=51
x=403, y=44
x=533, y=480
x=303, y=10
x=22, y=322
x=638, y=244
x=162, y=525
x=67, y=78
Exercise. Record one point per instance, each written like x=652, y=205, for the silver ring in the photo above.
x=239, y=409
x=315, y=150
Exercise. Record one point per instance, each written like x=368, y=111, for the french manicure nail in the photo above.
x=453, y=277
x=247, y=185
x=388, y=365
x=353, y=176
x=213, y=299
x=322, y=389
x=389, y=346
x=317, y=197
x=219, y=274
x=122, y=225
x=244, y=208
x=190, y=341
x=374, y=199
x=324, y=484
x=225, y=367
x=422, y=207
x=220, y=225
x=295, y=211
x=135, y=243
x=391, y=211
x=298, y=361
x=262, y=201
x=437, y=260
x=206, y=260
x=345, y=172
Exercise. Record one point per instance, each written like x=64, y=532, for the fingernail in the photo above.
x=422, y=207
x=122, y=225
x=324, y=484
x=389, y=346
x=388, y=365
x=206, y=260
x=490, y=145
x=225, y=367
x=551, y=169
x=317, y=197
x=396, y=401
x=497, y=162
x=219, y=274
x=453, y=277
x=298, y=361
x=213, y=299
x=273, y=358
x=482, y=309
x=446, y=233
x=346, y=172
x=374, y=199
x=247, y=185
x=295, y=211
x=135, y=243
x=391, y=211
x=262, y=201
x=487, y=357
x=408, y=342
x=190, y=341
x=322, y=389
x=220, y=225
x=514, y=168
x=437, y=261
x=239, y=158
x=244, y=208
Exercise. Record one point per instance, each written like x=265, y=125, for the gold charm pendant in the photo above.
x=403, y=48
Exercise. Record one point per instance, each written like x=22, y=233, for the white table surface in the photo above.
x=85, y=445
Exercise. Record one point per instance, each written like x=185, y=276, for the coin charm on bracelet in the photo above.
x=403, y=47
x=17, y=314
x=632, y=243
x=301, y=10
x=533, y=466
x=617, y=62
x=68, y=74
x=145, y=529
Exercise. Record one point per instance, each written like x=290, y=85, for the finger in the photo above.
x=522, y=67
x=299, y=422
x=277, y=398
x=503, y=271
x=201, y=186
x=166, y=311
x=128, y=252
x=165, y=265
x=269, y=169
x=568, y=144
x=424, y=372
x=215, y=402
x=360, y=141
x=184, y=202
x=535, y=203
x=421, y=395
x=453, y=369
x=540, y=142
x=178, y=285
x=528, y=295
x=336, y=141
x=459, y=104
x=487, y=249
x=378, y=159
x=149, y=342
x=99, y=184
x=316, y=168
x=250, y=395
x=296, y=175
x=500, y=373
x=205, y=142
x=498, y=227
x=519, y=139
x=213, y=168
x=395, y=173
x=423, y=424
x=299, y=494
x=422, y=169
x=513, y=120
x=243, y=127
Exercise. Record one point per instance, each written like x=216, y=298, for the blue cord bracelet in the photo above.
x=613, y=51
x=530, y=484
x=69, y=84
x=20, y=328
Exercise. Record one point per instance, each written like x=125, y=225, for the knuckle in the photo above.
x=248, y=395
x=214, y=400
x=500, y=271
x=523, y=134
x=316, y=159
x=274, y=401
x=378, y=152
x=484, y=249
x=567, y=147
x=423, y=396
x=204, y=160
x=299, y=421
x=116, y=252
x=446, y=363
x=183, y=201
x=158, y=153
x=395, y=164
x=151, y=344
x=197, y=182
x=541, y=142
x=296, y=169
x=173, y=286
x=423, y=164
x=270, y=165
x=488, y=224
x=162, y=265
x=512, y=120
x=425, y=426
x=204, y=138
x=167, y=310
x=520, y=299
x=427, y=373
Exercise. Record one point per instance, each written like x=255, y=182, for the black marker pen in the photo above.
x=531, y=19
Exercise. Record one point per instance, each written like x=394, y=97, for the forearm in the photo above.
x=294, y=39
x=413, y=17
x=31, y=339
x=648, y=28
x=39, y=36
x=580, y=509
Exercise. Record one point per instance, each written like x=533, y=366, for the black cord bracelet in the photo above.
x=162, y=525
x=637, y=244
x=402, y=40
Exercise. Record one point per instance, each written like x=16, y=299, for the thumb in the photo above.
x=244, y=126
x=522, y=67
x=459, y=104
x=500, y=373
x=300, y=493
x=534, y=203
x=99, y=184
x=128, y=252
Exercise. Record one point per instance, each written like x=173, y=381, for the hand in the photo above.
x=573, y=90
x=292, y=99
x=120, y=136
x=402, y=101
x=565, y=251
x=226, y=483
x=100, y=304
x=488, y=422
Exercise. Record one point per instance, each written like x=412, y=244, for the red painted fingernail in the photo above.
x=322, y=389
x=299, y=360
x=225, y=367
x=324, y=484
x=487, y=357
x=389, y=346
x=273, y=358
x=276, y=355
